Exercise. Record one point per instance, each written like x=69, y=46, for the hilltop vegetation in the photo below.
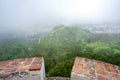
x=61, y=45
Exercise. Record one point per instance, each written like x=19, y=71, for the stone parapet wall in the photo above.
x=88, y=69
x=23, y=69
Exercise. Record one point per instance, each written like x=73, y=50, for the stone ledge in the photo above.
x=93, y=69
x=20, y=65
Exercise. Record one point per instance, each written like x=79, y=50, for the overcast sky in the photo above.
x=23, y=13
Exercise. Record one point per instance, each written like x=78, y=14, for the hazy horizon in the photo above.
x=21, y=14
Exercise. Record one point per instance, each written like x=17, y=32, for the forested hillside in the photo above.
x=62, y=44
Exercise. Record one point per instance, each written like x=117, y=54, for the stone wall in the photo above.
x=25, y=75
x=88, y=69
x=23, y=69
x=34, y=69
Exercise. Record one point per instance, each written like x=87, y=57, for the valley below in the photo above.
x=61, y=44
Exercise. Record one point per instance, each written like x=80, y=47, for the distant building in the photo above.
x=87, y=69
x=23, y=69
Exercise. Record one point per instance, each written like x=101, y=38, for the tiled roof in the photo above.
x=18, y=65
x=95, y=70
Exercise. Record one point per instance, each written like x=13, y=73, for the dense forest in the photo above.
x=61, y=45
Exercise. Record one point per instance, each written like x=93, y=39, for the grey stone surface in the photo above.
x=78, y=77
x=58, y=78
x=26, y=75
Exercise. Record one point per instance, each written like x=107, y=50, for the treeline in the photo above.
x=62, y=45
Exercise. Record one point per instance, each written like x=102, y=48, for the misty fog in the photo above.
x=32, y=14
x=59, y=30
x=31, y=19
